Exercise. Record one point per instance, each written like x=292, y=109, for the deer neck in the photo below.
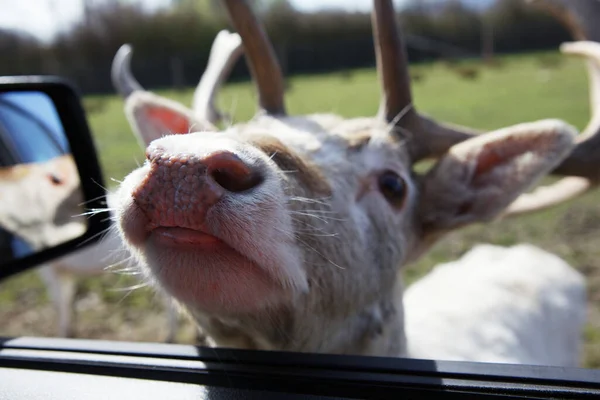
x=376, y=330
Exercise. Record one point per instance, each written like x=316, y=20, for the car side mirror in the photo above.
x=49, y=173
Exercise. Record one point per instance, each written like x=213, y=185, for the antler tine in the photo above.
x=121, y=75
x=549, y=196
x=582, y=166
x=429, y=138
x=225, y=51
x=590, y=51
x=578, y=16
x=584, y=161
x=392, y=63
x=261, y=58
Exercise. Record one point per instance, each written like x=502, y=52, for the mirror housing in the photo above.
x=71, y=115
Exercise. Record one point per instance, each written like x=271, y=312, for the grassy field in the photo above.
x=522, y=88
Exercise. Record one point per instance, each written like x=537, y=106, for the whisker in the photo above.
x=90, y=200
x=109, y=218
x=285, y=233
x=102, y=233
x=127, y=272
x=307, y=232
x=322, y=211
x=308, y=200
x=310, y=215
x=95, y=211
x=130, y=288
x=316, y=251
x=311, y=227
x=126, y=260
x=99, y=185
x=322, y=235
x=400, y=115
x=325, y=219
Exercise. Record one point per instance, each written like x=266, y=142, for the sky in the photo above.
x=43, y=18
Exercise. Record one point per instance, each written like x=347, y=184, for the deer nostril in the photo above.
x=232, y=174
x=234, y=182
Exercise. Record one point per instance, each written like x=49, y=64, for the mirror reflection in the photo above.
x=40, y=195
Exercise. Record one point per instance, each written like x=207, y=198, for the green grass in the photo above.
x=523, y=88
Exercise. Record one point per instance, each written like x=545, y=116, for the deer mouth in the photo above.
x=186, y=238
x=214, y=257
x=208, y=274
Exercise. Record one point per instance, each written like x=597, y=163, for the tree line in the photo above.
x=171, y=46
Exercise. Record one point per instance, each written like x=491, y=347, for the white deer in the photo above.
x=39, y=202
x=292, y=233
x=490, y=305
x=60, y=275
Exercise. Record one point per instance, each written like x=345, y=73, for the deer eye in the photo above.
x=393, y=187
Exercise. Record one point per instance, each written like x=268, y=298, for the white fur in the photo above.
x=518, y=305
x=38, y=210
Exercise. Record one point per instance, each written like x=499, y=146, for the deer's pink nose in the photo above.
x=224, y=167
x=179, y=189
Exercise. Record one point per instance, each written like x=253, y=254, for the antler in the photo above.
x=579, y=16
x=582, y=167
x=225, y=51
x=260, y=55
x=548, y=196
x=583, y=162
x=120, y=73
x=430, y=138
x=584, y=159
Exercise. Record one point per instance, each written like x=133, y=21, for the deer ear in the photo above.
x=152, y=117
x=478, y=178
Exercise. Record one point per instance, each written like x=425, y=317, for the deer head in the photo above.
x=41, y=202
x=291, y=232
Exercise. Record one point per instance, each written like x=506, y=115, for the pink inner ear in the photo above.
x=493, y=156
x=486, y=161
x=176, y=123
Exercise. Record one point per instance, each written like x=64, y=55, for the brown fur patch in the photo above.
x=306, y=172
x=63, y=166
x=358, y=140
x=14, y=173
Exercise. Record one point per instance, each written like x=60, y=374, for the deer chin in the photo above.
x=207, y=274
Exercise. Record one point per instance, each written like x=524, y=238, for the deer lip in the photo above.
x=207, y=274
x=186, y=238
